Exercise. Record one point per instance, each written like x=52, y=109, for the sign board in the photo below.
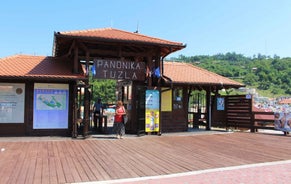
x=282, y=121
x=220, y=104
x=152, y=111
x=166, y=102
x=50, y=106
x=12, y=98
x=118, y=70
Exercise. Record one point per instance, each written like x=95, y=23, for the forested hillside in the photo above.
x=269, y=75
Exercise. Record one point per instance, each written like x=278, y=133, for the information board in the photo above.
x=12, y=97
x=50, y=106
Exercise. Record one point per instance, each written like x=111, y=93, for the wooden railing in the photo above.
x=238, y=114
x=262, y=120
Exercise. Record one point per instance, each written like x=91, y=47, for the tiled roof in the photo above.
x=285, y=101
x=185, y=73
x=26, y=66
x=116, y=34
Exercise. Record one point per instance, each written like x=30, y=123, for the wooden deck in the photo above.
x=95, y=159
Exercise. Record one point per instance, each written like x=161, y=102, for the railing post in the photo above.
x=252, y=122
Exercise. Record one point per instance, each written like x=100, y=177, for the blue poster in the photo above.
x=220, y=104
x=152, y=111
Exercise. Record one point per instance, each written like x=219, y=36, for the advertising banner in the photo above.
x=283, y=121
x=152, y=111
x=50, y=106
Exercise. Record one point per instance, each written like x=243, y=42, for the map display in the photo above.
x=50, y=106
x=51, y=101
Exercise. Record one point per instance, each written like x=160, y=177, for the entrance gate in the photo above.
x=197, y=109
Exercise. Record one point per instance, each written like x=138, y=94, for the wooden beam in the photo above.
x=71, y=48
x=76, y=59
x=83, y=47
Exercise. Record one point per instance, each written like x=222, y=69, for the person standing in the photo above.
x=97, y=110
x=118, y=120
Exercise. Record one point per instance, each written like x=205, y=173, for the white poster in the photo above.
x=283, y=121
x=50, y=106
x=12, y=97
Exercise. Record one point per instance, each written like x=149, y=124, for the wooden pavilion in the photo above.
x=135, y=60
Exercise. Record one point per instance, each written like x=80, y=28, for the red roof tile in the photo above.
x=186, y=73
x=116, y=34
x=26, y=66
x=285, y=101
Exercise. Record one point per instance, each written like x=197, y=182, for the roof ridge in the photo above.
x=85, y=30
x=13, y=56
x=115, y=29
x=151, y=37
x=20, y=55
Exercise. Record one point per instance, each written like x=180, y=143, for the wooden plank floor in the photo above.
x=95, y=159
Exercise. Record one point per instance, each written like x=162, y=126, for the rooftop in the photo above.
x=116, y=34
x=94, y=39
x=186, y=73
x=27, y=66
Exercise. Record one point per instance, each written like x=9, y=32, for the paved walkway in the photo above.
x=264, y=173
x=191, y=157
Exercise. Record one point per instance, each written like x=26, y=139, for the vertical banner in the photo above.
x=152, y=111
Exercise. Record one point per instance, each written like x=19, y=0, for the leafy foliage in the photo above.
x=104, y=89
x=271, y=75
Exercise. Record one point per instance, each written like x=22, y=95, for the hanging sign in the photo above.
x=118, y=70
x=152, y=111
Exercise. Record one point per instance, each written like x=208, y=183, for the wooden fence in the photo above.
x=240, y=114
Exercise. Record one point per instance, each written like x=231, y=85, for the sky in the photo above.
x=207, y=27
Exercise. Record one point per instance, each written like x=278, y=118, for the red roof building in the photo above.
x=51, y=90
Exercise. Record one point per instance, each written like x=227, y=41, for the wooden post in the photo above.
x=149, y=65
x=86, y=101
x=75, y=112
x=208, y=107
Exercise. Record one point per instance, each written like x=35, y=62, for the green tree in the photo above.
x=104, y=89
x=250, y=79
x=272, y=75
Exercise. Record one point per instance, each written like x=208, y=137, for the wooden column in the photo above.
x=208, y=107
x=86, y=99
x=75, y=112
x=149, y=66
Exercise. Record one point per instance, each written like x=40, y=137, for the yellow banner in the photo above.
x=152, y=121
